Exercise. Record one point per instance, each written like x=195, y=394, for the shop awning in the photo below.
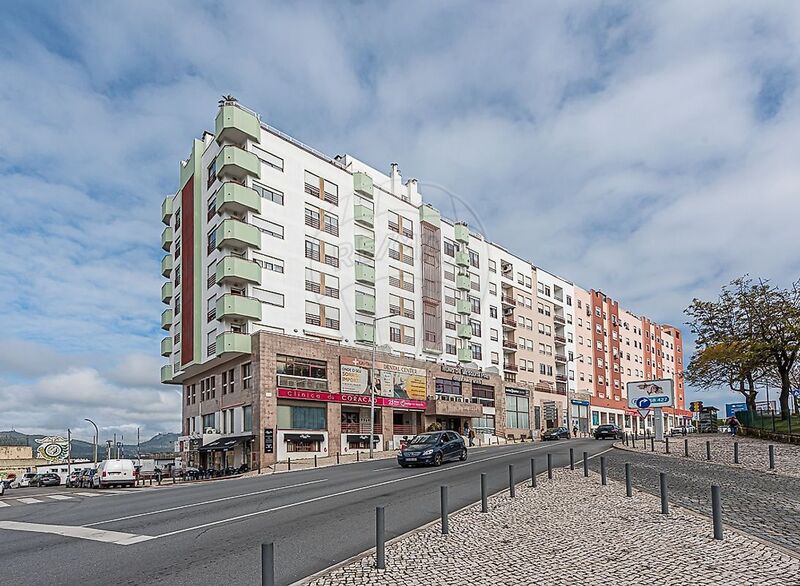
x=362, y=438
x=303, y=437
x=226, y=443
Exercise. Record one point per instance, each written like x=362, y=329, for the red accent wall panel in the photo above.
x=187, y=272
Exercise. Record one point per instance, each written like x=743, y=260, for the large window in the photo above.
x=247, y=417
x=268, y=193
x=483, y=394
x=297, y=417
x=448, y=387
x=297, y=366
x=517, y=411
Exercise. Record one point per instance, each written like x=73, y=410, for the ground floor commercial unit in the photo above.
x=632, y=421
x=294, y=397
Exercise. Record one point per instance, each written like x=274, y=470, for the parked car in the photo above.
x=46, y=479
x=555, y=433
x=433, y=448
x=608, y=431
x=681, y=430
x=73, y=480
x=85, y=480
x=24, y=480
x=2, y=487
x=114, y=473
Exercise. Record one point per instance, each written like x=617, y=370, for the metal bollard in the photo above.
x=708, y=450
x=603, y=480
x=533, y=472
x=666, y=440
x=315, y=460
x=289, y=463
x=337, y=457
x=550, y=466
x=380, y=538
x=586, y=464
x=445, y=512
x=511, y=488
x=735, y=452
x=571, y=459
x=267, y=564
x=652, y=444
x=662, y=480
x=484, y=494
x=633, y=441
x=685, y=448
x=771, y=457
x=628, y=485
x=358, y=456
x=716, y=511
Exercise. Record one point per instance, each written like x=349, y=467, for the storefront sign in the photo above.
x=351, y=399
x=651, y=393
x=393, y=380
x=578, y=402
x=518, y=392
x=468, y=372
x=269, y=440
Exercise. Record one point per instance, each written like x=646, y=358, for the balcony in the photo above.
x=560, y=339
x=464, y=355
x=364, y=333
x=166, y=292
x=238, y=235
x=166, y=265
x=365, y=245
x=462, y=258
x=235, y=198
x=237, y=163
x=238, y=307
x=509, y=322
x=559, y=319
x=232, y=269
x=509, y=344
x=561, y=358
x=166, y=319
x=362, y=184
x=510, y=366
x=365, y=303
x=167, y=239
x=463, y=282
x=231, y=343
x=234, y=124
x=461, y=233
x=561, y=377
x=364, y=216
x=430, y=215
x=166, y=210
x=166, y=346
x=166, y=374
x=464, y=331
x=365, y=274
x=508, y=300
x=463, y=306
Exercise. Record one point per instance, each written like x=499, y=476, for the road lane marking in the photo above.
x=59, y=497
x=218, y=500
x=342, y=493
x=2, y=504
x=29, y=501
x=114, y=537
x=87, y=493
x=387, y=468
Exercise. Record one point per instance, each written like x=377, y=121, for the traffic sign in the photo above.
x=658, y=392
x=796, y=392
x=732, y=408
x=643, y=413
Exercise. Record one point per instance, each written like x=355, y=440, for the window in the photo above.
x=520, y=279
x=177, y=301
x=477, y=351
x=208, y=421
x=449, y=320
x=483, y=393
x=448, y=387
x=492, y=311
x=476, y=328
x=301, y=367
x=212, y=240
x=212, y=173
x=331, y=225
x=476, y=304
x=401, y=252
x=401, y=334
x=267, y=227
x=228, y=378
x=474, y=258
x=297, y=417
x=322, y=315
x=269, y=263
x=492, y=266
x=401, y=225
x=449, y=247
x=401, y=306
x=247, y=375
x=177, y=276
x=492, y=288
x=495, y=358
x=268, y=158
x=401, y=279
x=211, y=308
x=312, y=217
x=268, y=193
x=322, y=283
x=269, y=297
x=211, y=341
x=493, y=335
x=450, y=345
x=517, y=411
x=212, y=207
x=449, y=271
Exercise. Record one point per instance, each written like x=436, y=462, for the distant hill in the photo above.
x=161, y=442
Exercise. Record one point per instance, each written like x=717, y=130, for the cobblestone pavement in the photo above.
x=753, y=453
x=763, y=504
x=571, y=531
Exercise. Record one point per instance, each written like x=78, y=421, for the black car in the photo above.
x=556, y=433
x=433, y=448
x=46, y=479
x=608, y=431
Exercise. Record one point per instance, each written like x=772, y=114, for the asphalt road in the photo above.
x=210, y=533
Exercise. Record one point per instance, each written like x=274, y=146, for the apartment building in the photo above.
x=269, y=240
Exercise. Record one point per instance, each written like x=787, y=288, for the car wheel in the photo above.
x=437, y=459
x=404, y=465
x=463, y=455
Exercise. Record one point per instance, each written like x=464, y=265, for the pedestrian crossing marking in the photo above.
x=29, y=501
x=59, y=497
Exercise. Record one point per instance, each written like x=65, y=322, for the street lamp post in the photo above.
x=372, y=379
x=96, y=434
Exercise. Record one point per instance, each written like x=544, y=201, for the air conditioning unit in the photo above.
x=211, y=430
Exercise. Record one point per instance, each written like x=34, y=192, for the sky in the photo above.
x=646, y=149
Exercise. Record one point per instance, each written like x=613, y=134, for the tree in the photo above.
x=727, y=363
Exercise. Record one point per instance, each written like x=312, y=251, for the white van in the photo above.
x=114, y=473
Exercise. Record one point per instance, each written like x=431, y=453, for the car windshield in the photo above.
x=424, y=439
x=606, y=427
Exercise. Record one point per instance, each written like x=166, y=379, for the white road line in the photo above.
x=29, y=501
x=344, y=492
x=227, y=498
x=115, y=537
x=86, y=493
x=106, y=491
x=387, y=468
x=2, y=504
x=59, y=497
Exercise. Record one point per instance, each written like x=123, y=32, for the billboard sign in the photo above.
x=650, y=394
x=53, y=448
x=392, y=380
x=732, y=408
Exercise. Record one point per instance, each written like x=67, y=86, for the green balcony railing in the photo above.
x=238, y=307
x=233, y=268
x=237, y=163
x=236, y=125
x=237, y=198
x=234, y=343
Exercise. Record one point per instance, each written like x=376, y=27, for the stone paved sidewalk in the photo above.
x=572, y=531
x=753, y=453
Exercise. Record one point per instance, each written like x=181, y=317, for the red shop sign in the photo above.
x=350, y=399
